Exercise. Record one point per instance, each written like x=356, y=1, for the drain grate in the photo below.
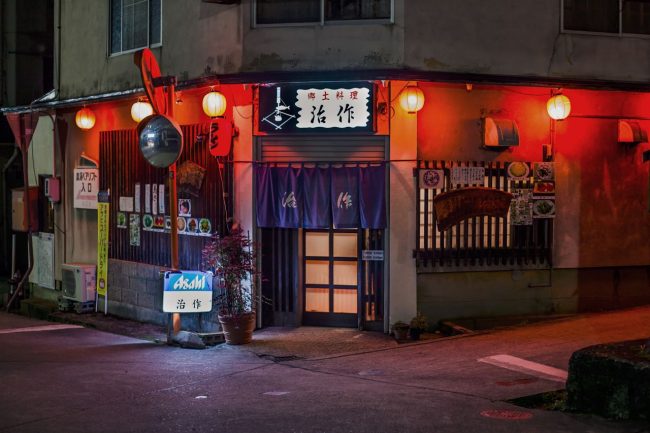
x=507, y=414
x=275, y=358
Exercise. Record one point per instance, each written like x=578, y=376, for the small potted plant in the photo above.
x=231, y=258
x=400, y=330
x=418, y=325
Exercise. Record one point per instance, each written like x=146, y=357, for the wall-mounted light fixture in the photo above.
x=85, y=118
x=500, y=133
x=214, y=104
x=411, y=99
x=558, y=107
x=140, y=110
x=630, y=132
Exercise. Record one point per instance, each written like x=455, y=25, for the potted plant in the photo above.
x=418, y=325
x=400, y=330
x=231, y=258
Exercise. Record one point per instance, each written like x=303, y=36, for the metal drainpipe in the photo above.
x=5, y=239
x=30, y=247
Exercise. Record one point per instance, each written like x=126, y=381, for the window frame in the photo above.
x=133, y=50
x=619, y=34
x=322, y=22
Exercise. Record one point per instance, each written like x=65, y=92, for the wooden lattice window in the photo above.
x=479, y=241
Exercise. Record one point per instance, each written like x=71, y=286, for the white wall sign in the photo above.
x=137, y=200
x=126, y=204
x=467, y=175
x=86, y=186
x=333, y=108
x=372, y=255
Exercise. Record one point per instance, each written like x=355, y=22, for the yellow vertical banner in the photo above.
x=102, y=243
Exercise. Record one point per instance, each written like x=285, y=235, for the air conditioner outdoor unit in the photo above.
x=78, y=281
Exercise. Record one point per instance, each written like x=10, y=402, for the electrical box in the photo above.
x=53, y=189
x=19, y=209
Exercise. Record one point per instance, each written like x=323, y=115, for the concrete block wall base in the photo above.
x=135, y=291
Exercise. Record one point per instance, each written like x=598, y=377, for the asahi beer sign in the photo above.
x=187, y=292
x=86, y=186
x=295, y=108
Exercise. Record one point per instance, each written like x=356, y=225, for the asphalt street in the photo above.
x=60, y=378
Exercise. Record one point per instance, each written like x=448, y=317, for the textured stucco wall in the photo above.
x=515, y=37
x=505, y=37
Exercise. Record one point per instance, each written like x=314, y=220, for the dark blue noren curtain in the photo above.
x=316, y=198
x=372, y=196
x=279, y=197
x=345, y=197
x=266, y=200
x=288, y=187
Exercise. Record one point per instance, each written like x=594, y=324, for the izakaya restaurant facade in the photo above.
x=373, y=200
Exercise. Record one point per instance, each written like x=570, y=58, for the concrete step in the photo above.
x=37, y=308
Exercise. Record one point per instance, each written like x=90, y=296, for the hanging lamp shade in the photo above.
x=558, y=107
x=412, y=99
x=214, y=104
x=140, y=110
x=85, y=118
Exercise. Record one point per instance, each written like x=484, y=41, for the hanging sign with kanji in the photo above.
x=187, y=292
x=316, y=108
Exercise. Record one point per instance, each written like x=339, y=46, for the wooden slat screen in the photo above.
x=122, y=166
x=479, y=241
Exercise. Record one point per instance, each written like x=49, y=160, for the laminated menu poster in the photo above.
x=467, y=175
x=136, y=205
x=521, y=209
x=121, y=220
x=134, y=230
x=544, y=207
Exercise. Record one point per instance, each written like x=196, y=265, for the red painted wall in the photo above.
x=602, y=186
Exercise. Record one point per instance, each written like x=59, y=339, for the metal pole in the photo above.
x=173, y=210
x=173, y=205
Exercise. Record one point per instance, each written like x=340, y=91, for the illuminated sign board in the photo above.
x=187, y=292
x=316, y=108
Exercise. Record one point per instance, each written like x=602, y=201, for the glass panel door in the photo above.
x=331, y=277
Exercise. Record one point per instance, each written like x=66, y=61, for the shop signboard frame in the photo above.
x=317, y=108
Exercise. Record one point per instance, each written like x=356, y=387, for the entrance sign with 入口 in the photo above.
x=86, y=186
x=187, y=292
x=316, y=108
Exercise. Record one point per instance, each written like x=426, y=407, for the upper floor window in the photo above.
x=607, y=16
x=135, y=24
x=314, y=11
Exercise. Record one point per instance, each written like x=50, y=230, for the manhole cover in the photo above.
x=506, y=414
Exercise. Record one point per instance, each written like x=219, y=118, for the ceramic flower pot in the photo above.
x=238, y=329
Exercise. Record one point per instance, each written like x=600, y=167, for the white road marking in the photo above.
x=39, y=328
x=276, y=393
x=528, y=367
